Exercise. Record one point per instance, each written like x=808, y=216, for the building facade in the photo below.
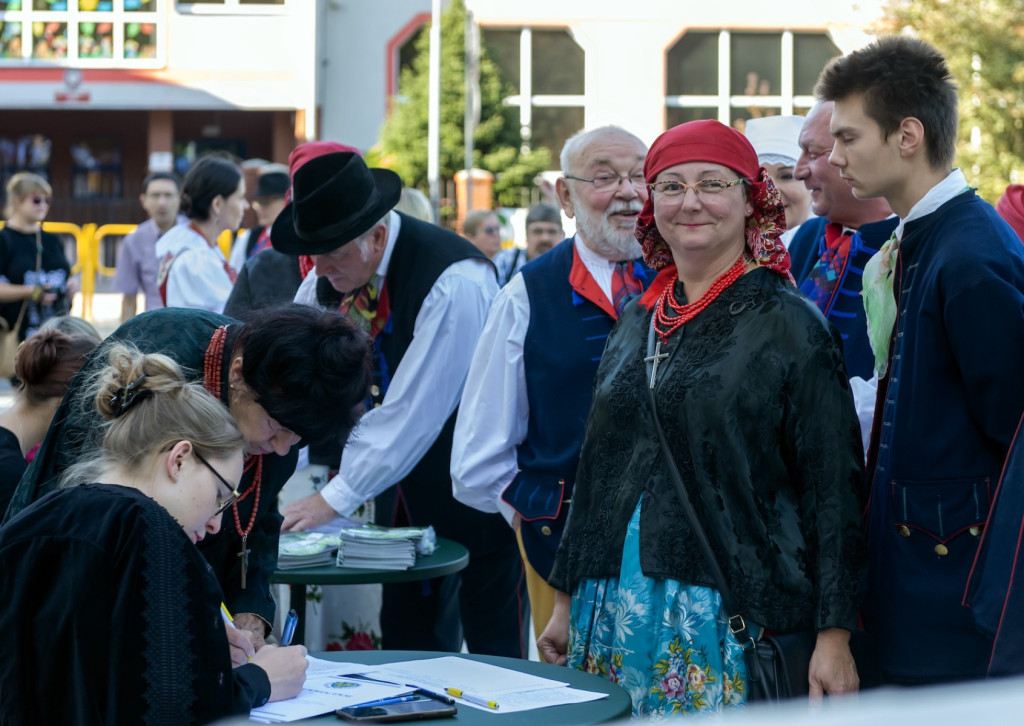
x=95, y=93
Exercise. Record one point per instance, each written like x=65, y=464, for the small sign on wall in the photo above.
x=161, y=161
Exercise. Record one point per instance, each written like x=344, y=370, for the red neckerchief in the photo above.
x=586, y=286
x=650, y=298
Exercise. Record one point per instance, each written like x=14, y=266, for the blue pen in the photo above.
x=388, y=701
x=289, y=628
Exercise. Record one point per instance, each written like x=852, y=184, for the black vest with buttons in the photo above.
x=421, y=253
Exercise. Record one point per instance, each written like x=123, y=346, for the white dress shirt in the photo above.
x=425, y=388
x=494, y=412
x=197, y=278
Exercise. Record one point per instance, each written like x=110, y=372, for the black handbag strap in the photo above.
x=737, y=624
x=39, y=264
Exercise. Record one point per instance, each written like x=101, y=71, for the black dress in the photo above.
x=111, y=616
x=757, y=410
x=184, y=335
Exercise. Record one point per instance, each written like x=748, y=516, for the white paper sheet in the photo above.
x=324, y=694
x=527, y=700
x=472, y=676
x=320, y=667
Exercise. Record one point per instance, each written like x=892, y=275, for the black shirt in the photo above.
x=18, y=254
x=112, y=616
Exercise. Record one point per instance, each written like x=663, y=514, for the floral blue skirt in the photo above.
x=667, y=643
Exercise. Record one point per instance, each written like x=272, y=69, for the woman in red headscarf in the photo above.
x=755, y=405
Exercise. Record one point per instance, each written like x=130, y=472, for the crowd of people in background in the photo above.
x=800, y=342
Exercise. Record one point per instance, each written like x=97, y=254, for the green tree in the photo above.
x=983, y=41
x=403, y=140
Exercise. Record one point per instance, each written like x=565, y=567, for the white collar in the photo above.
x=394, y=223
x=953, y=185
x=590, y=258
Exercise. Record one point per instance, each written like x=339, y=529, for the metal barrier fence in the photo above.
x=91, y=245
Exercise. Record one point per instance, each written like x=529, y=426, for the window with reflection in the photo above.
x=96, y=32
x=407, y=54
x=765, y=74
x=186, y=151
x=96, y=168
x=545, y=69
x=24, y=153
x=557, y=64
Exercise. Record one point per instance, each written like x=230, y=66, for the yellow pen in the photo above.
x=230, y=621
x=478, y=700
x=226, y=615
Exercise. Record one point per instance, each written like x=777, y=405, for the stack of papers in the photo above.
x=305, y=549
x=380, y=548
x=332, y=685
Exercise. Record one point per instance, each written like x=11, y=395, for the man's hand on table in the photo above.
x=305, y=513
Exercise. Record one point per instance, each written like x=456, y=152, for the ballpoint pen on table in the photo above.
x=478, y=700
x=289, y=628
x=436, y=696
x=448, y=700
x=386, y=701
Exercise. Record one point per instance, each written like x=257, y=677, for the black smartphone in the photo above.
x=408, y=711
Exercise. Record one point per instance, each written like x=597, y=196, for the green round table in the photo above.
x=616, y=706
x=449, y=557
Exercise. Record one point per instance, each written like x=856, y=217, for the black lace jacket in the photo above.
x=757, y=408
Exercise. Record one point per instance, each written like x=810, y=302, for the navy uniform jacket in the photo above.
x=946, y=414
x=845, y=309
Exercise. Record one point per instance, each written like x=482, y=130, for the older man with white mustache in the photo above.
x=520, y=424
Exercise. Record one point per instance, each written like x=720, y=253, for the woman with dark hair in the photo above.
x=45, y=364
x=35, y=275
x=110, y=613
x=193, y=271
x=748, y=381
x=288, y=374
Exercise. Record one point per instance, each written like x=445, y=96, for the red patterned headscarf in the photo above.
x=715, y=142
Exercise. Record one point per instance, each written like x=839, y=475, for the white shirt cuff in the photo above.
x=340, y=496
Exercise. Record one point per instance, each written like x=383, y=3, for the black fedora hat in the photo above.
x=335, y=198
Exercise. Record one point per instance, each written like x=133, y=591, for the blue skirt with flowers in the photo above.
x=667, y=643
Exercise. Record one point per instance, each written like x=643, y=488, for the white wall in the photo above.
x=352, y=89
x=625, y=46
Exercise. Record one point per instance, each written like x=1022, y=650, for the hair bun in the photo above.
x=126, y=396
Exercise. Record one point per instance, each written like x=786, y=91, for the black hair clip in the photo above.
x=126, y=396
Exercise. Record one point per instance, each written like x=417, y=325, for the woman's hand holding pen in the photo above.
x=242, y=649
x=285, y=667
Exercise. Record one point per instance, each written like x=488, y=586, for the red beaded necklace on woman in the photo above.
x=684, y=313
x=213, y=366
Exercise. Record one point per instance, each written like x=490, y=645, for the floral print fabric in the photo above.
x=667, y=643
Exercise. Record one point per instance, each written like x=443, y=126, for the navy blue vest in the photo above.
x=563, y=347
x=846, y=310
